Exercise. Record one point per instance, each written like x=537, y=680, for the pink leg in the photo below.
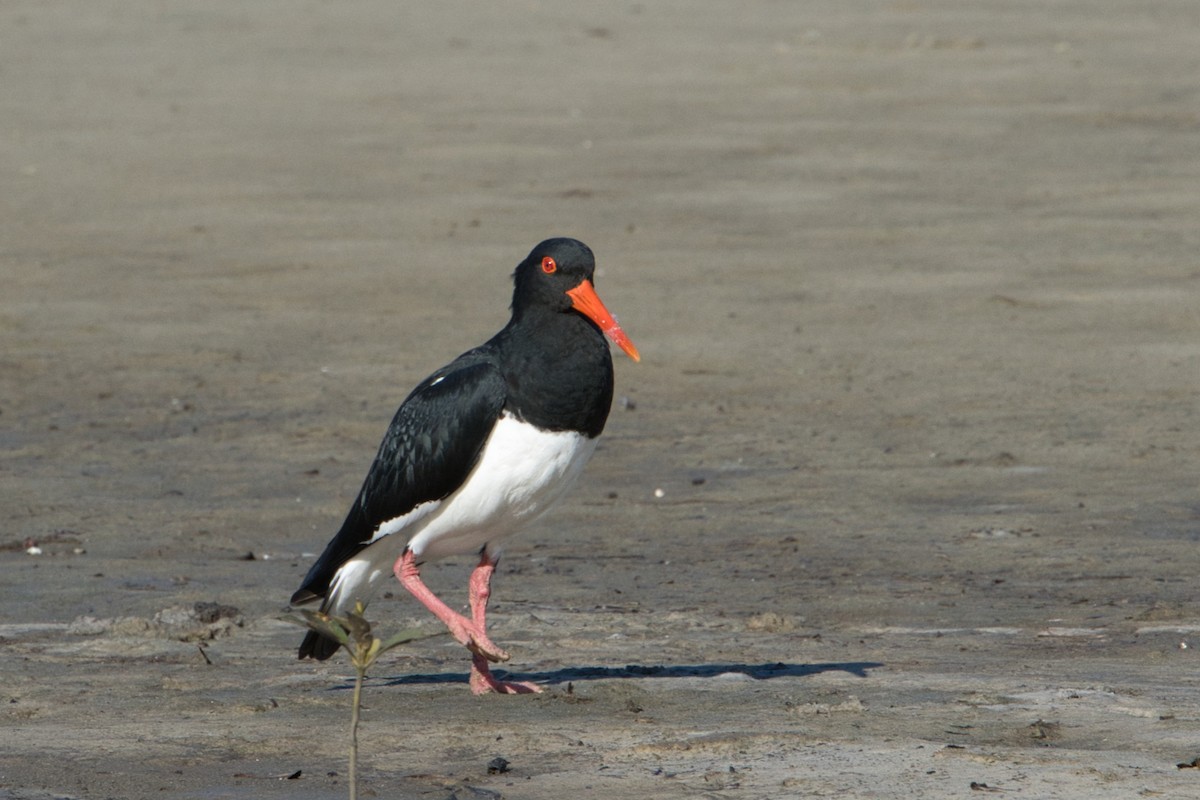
x=480, y=590
x=470, y=632
x=461, y=628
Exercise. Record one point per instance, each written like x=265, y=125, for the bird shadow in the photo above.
x=759, y=672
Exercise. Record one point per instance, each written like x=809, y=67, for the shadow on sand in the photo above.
x=760, y=672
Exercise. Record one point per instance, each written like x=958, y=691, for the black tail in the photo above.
x=314, y=645
x=354, y=535
x=344, y=546
x=317, y=646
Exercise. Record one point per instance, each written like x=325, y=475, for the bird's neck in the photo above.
x=559, y=370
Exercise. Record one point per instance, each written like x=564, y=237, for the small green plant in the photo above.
x=353, y=632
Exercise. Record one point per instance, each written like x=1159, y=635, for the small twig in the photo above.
x=353, y=632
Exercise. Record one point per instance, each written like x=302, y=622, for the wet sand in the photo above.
x=900, y=503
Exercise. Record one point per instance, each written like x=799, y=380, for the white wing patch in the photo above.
x=397, y=524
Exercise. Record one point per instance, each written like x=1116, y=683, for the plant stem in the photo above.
x=358, y=682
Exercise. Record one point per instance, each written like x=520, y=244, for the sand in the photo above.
x=900, y=503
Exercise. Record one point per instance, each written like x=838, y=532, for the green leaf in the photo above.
x=357, y=626
x=322, y=624
x=404, y=637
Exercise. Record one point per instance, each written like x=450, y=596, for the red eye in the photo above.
x=548, y=265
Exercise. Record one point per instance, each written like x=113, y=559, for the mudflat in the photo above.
x=901, y=501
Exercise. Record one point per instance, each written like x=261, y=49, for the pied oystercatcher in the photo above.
x=477, y=451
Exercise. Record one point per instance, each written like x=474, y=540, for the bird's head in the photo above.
x=558, y=275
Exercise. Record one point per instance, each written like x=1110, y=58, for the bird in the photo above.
x=477, y=451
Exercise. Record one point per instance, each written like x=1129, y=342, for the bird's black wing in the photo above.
x=429, y=449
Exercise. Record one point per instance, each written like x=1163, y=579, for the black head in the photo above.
x=556, y=276
x=553, y=268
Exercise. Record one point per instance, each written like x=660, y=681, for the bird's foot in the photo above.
x=484, y=682
x=488, y=650
x=476, y=640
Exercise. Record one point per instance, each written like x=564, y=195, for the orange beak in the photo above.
x=585, y=300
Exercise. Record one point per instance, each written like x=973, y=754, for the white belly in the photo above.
x=521, y=474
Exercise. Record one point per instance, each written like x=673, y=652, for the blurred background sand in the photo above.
x=915, y=286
